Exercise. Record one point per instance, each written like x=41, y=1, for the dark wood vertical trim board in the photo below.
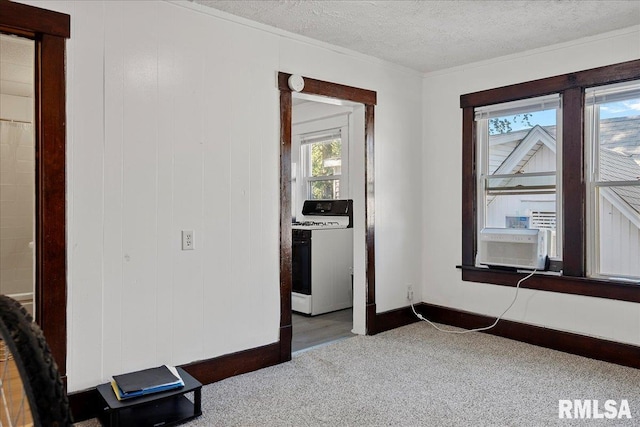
x=285, y=225
x=49, y=30
x=573, y=184
x=51, y=288
x=369, y=131
x=469, y=198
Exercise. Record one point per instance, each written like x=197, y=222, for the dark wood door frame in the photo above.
x=49, y=30
x=347, y=93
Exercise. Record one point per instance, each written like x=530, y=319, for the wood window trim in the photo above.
x=348, y=93
x=49, y=30
x=572, y=87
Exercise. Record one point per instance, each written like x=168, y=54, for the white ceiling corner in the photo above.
x=433, y=35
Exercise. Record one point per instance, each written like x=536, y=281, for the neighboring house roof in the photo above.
x=622, y=134
x=620, y=161
x=616, y=166
x=533, y=141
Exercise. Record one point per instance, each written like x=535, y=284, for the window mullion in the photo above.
x=573, y=183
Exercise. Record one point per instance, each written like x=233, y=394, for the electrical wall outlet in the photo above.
x=410, y=293
x=187, y=240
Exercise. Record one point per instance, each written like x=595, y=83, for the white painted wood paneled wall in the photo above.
x=169, y=132
x=174, y=124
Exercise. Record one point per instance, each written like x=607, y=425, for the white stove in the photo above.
x=325, y=214
x=318, y=225
x=322, y=258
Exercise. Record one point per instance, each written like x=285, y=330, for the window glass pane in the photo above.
x=618, y=222
x=613, y=144
x=324, y=189
x=519, y=158
x=517, y=211
x=619, y=140
x=326, y=158
x=522, y=143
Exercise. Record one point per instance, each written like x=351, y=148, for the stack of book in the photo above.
x=148, y=381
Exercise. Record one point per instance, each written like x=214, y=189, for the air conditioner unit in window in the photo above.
x=513, y=247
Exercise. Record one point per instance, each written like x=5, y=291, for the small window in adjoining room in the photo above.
x=322, y=164
x=612, y=145
x=519, y=165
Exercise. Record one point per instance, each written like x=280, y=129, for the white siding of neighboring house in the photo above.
x=523, y=205
x=619, y=248
x=542, y=161
x=620, y=245
x=498, y=153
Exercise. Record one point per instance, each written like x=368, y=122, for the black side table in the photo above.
x=166, y=408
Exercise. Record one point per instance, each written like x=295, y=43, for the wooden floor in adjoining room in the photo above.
x=14, y=407
x=312, y=331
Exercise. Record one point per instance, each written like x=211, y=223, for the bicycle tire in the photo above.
x=39, y=373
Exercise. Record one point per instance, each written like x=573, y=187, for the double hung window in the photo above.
x=519, y=159
x=612, y=150
x=322, y=164
x=561, y=154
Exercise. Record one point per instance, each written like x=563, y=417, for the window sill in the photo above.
x=599, y=288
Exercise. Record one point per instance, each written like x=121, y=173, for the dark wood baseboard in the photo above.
x=217, y=369
x=88, y=403
x=370, y=322
x=286, y=335
x=391, y=319
x=581, y=345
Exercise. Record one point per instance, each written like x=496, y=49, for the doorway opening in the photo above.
x=325, y=136
x=17, y=169
x=356, y=107
x=48, y=30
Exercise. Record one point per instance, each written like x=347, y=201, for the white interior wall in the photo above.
x=17, y=170
x=442, y=181
x=173, y=123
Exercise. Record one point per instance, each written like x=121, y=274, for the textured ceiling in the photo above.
x=432, y=35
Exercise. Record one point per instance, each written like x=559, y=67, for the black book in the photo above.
x=145, y=379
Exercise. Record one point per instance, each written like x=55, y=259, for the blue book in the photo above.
x=147, y=381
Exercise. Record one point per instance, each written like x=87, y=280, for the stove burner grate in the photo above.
x=316, y=223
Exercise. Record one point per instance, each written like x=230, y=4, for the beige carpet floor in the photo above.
x=417, y=376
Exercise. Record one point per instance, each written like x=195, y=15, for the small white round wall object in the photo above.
x=296, y=82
